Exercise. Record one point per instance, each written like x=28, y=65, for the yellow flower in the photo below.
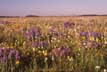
x=33, y=49
x=17, y=62
x=70, y=58
x=92, y=38
x=39, y=52
x=97, y=40
x=83, y=37
x=45, y=53
x=105, y=42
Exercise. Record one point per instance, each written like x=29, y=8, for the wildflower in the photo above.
x=33, y=33
x=105, y=70
x=24, y=42
x=68, y=25
x=70, y=58
x=17, y=56
x=61, y=51
x=92, y=38
x=97, y=67
x=33, y=49
x=3, y=59
x=94, y=44
x=11, y=52
x=84, y=43
x=40, y=44
x=40, y=52
x=53, y=38
x=45, y=53
x=46, y=59
x=53, y=58
x=17, y=62
x=105, y=42
x=58, y=40
x=97, y=40
x=69, y=36
x=51, y=29
x=95, y=35
x=83, y=35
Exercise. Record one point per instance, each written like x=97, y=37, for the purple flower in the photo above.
x=68, y=25
x=95, y=34
x=51, y=29
x=33, y=32
x=4, y=22
x=3, y=59
x=40, y=44
x=83, y=33
x=61, y=51
x=11, y=52
x=44, y=44
x=94, y=44
x=17, y=56
x=1, y=51
x=2, y=55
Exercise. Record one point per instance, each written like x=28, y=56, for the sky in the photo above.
x=52, y=7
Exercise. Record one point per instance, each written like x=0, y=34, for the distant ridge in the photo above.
x=31, y=16
x=52, y=16
x=92, y=15
x=9, y=16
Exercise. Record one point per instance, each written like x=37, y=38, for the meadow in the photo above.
x=53, y=44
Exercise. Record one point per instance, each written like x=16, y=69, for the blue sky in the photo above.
x=52, y=7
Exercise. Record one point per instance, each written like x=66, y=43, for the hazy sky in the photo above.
x=52, y=7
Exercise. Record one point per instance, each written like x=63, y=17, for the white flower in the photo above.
x=33, y=49
x=97, y=67
x=46, y=59
x=105, y=70
x=52, y=57
x=69, y=36
x=105, y=42
x=84, y=43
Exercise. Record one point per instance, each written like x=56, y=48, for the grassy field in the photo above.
x=53, y=44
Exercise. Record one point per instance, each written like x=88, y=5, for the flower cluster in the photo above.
x=33, y=33
x=93, y=38
x=9, y=53
x=61, y=51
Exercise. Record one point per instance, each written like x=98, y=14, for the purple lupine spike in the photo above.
x=44, y=44
x=33, y=32
x=1, y=52
x=11, y=53
x=4, y=58
x=65, y=51
x=17, y=56
x=36, y=44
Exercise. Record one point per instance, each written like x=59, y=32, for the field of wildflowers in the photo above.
x=53, y=44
